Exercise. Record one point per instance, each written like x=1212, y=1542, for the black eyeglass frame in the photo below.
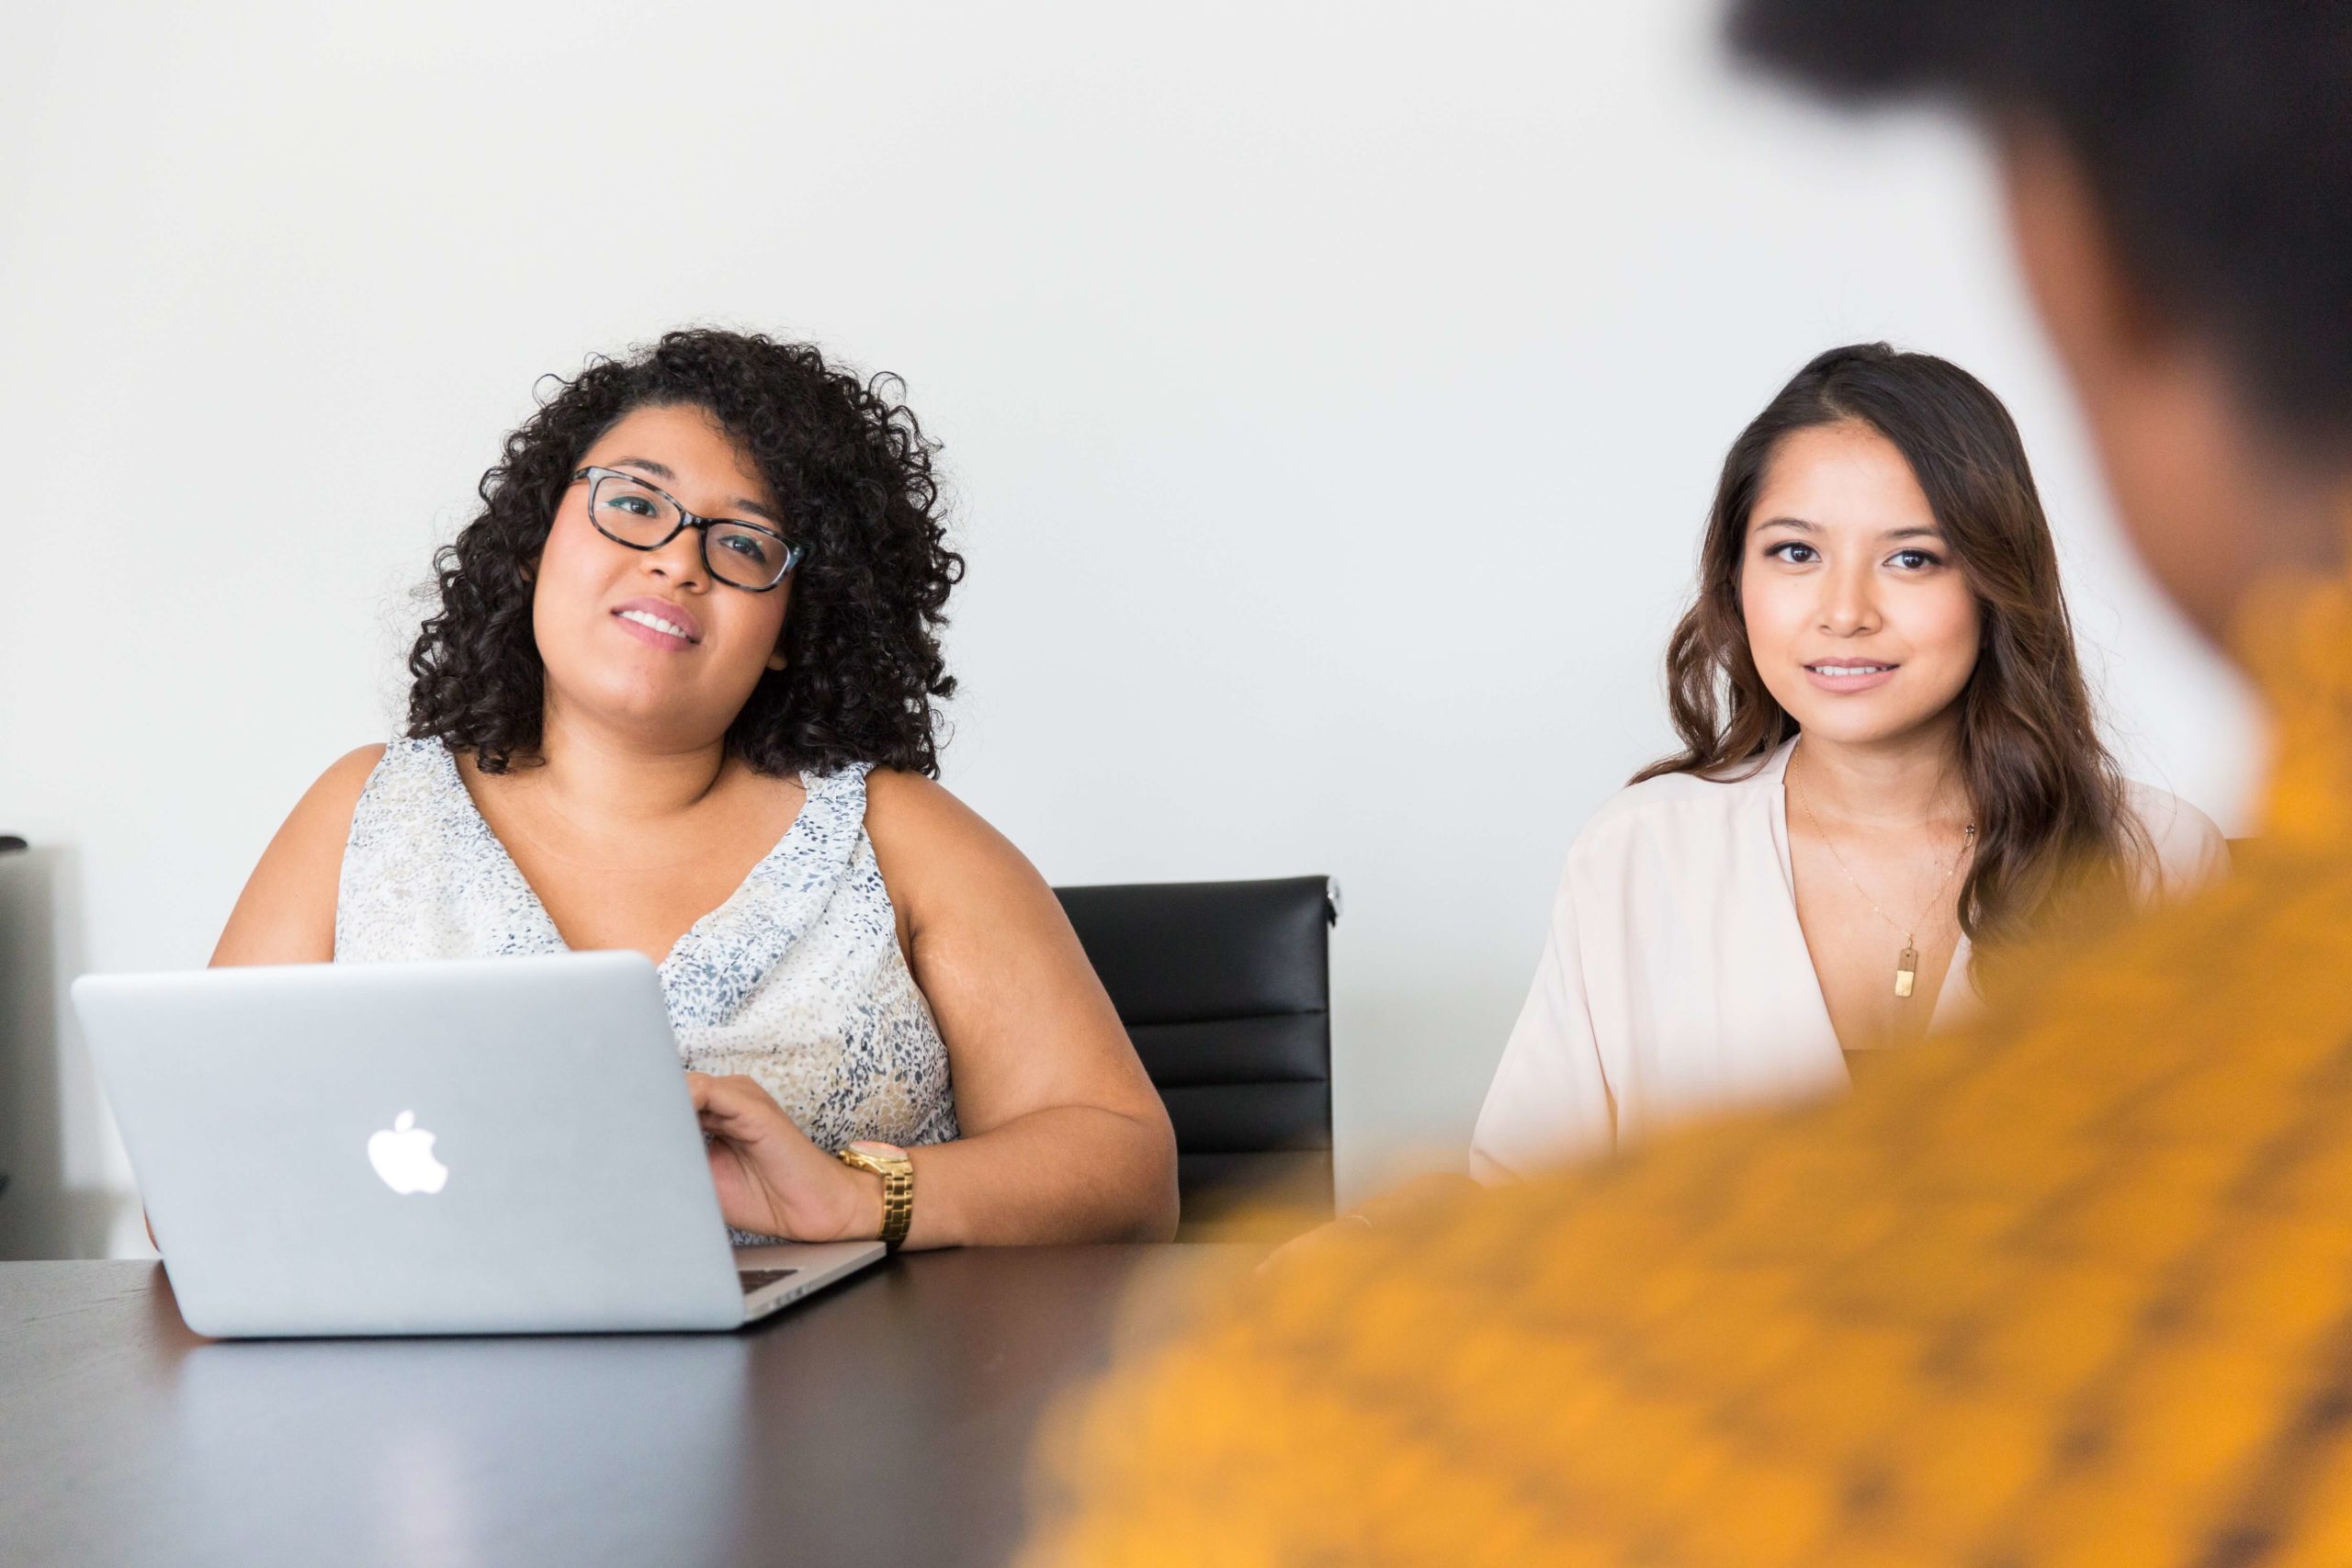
x=792, y=553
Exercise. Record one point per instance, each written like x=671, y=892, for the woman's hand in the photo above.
x=1421, y=1194
x=1354, y=1226
x=770, y=1179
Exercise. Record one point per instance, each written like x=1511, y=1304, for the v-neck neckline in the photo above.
x=1773, y=775
x=693, y=934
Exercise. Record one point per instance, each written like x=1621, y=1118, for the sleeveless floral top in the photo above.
x=796, y=981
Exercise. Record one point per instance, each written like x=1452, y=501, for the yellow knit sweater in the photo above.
x=2074, y=1289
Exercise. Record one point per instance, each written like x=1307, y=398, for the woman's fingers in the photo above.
x=710, y=1093
x=1346, y=1227
x=736, y=1106
x=770, y=1177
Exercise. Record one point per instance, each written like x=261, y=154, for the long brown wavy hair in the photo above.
x=2054, y=832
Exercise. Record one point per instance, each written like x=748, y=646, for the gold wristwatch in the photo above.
x=898, y=1173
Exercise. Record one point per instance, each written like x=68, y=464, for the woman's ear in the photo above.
x=2192, y=464
x=776, y=659
x=2100, y=318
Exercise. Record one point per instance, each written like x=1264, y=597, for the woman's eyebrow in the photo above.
x=664, y=472
x=1914, y=532
x=1799, y=523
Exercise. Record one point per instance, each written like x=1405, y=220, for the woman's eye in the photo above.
x=1914, y=561
x=1794, y=553
x=635, y=505
x=750, y=546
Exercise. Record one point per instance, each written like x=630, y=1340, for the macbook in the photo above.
x=496, y=1145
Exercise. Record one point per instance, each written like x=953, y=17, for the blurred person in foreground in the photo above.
x=2074, y=1286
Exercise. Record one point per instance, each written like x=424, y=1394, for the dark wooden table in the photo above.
x=887, y=1420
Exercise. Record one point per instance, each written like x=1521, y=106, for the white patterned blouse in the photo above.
x=797, y=980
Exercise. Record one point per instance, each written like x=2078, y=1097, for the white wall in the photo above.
x=1331, y=391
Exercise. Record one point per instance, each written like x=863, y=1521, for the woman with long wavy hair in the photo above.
x=1890, y=778
x=678, y=695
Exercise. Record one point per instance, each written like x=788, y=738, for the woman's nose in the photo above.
x=1847, y=605
x=680, y=561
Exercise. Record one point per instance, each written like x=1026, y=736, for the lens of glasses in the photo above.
x=743, y=556
x=631, y=513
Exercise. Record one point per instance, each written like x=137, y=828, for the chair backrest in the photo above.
x=8, y=841
x=1225, y=990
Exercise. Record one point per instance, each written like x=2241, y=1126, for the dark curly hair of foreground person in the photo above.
x=853, y=469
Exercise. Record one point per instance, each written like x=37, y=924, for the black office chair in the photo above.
x=1225, y=990
x=8, y=841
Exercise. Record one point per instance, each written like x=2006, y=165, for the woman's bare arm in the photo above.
x=286, y=914
x=1064, y=1137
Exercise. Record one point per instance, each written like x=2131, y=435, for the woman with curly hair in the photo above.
x=678, y=697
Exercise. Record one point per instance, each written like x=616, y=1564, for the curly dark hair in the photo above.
x=854, y=471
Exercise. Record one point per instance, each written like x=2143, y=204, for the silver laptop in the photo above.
x=489, y=1146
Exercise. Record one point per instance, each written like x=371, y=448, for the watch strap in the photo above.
x=897, y=1174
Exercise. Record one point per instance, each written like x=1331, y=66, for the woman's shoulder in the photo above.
x=346, y=779
x=2184, y=848
x=917, y=802
x=286, y=914
x=1669, y=804
x=321, y=819
x=941, y=860
x=919, y=824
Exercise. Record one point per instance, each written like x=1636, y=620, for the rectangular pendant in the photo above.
x=1906, y=971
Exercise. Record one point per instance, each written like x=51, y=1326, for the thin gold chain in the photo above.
x=1910, y=934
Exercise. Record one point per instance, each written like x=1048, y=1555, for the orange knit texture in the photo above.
x=2073, y=1288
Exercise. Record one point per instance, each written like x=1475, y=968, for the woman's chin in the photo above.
x=652, y=706
x=1856, y=721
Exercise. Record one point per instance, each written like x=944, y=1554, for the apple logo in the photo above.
x=402, y=1155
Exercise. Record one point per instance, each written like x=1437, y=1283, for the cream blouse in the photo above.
x=1676, y=980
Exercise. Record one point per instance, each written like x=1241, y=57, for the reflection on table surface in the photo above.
x=890, y=1417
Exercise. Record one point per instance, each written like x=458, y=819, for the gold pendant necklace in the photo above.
x=1907, y=967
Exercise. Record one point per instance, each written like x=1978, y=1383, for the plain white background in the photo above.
x=1332, y=395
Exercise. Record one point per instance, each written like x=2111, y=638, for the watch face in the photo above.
x=877, y=1149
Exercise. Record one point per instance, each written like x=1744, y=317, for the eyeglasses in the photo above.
x=629, y=512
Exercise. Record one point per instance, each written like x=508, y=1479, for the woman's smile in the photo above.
x=1850, y=676
x=658, y=622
